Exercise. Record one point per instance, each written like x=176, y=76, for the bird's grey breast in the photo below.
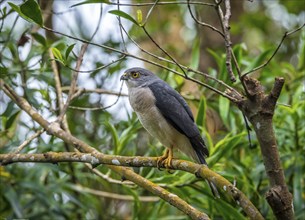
x=141, y=99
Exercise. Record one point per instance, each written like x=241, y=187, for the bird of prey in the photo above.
x=165, y=115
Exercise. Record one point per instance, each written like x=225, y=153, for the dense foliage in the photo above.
x=72, y=190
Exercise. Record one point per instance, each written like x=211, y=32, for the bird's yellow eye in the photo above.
x=135, y=75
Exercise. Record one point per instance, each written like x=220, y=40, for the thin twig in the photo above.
x=163, y=3
x=8, y=40
x=108, y=178
x=58, y=90
x=73, y=82
x=149, y=12
x=99, y=68
x=164, y=51
x=57, y=81
x=144, y=60
x=27, y=141
x=98, y=91
x=226, y=29
x=100, y=107
x=185, y=67
x=103, y=194
x=120, y=25
x=98, y=23
x=275, y=51
x=203, y=23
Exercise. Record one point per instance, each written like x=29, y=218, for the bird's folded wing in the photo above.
x=176, y=111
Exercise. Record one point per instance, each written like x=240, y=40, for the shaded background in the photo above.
x=71, y=191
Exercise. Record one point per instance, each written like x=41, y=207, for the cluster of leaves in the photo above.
x=48, y=191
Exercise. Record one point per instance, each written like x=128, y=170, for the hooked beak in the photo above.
x=124, y=76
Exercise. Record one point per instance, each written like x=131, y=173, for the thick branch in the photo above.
x=55, y=129
x=97, y=158
x=259, y=109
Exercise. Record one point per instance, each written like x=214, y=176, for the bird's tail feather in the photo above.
x=201, y=152
x=213, y=188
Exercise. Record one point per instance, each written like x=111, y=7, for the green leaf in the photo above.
x=224, y=208
x=297, y=187
x=57, y=54
x=32, y=10
x=11, y=120
x=29, y=10
x=224, y=146
x=115, y=137
x=68, y=51
x=224, y=108
x=258, y=60
x=40, y=39
x=124, y=15
x=3, y=72
x=90, y=2
x=238, y=51
x=16, y=8
x=9, y=110
x=14, y=200
x=201, y=115
x=195, y=54
x=139, y=16
x=301, y=52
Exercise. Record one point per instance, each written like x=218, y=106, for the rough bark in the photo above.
x=259, y=109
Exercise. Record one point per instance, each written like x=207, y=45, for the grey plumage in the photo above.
x=165, y=115
x=175, y=110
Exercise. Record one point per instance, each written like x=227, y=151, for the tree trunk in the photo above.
x=259, y=109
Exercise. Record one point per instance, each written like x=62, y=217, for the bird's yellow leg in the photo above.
x=161, y=159
x=166, y=159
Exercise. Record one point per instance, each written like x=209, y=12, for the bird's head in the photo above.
x=138, y=77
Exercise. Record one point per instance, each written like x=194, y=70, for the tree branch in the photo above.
x=55, y=130
x=226, y=30
x=98, y=91
x=259, y=109
x=275, y=51
x=73, y=82
x=155, y=64
x=97, y=158
x=27, y=141
x=203, y=23
x=104, y=194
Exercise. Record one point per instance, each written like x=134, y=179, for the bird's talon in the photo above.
x=197, y=173
x=159, y=164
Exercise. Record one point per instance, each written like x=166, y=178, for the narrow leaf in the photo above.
x=258, y=60
x=68, y=51
x=40, y=39
x=11, y=120
x=3, y=72
x=195, y=54
x=15, y=8
x=124, y=15
x=90, y=2
x=224, y=107
x=57, y=54
x=201, y=115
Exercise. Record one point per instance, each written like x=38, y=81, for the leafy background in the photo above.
x=72, y=191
